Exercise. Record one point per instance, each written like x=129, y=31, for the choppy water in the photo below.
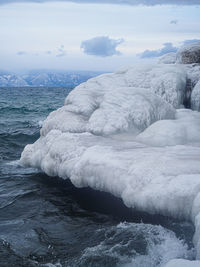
x=48, y=222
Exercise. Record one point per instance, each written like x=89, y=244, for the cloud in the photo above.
x=129, y=2
x=61, y=52
x=21, y=53
x=175, y=21
x=168, y=48
x=101, y=46
x=192, y=41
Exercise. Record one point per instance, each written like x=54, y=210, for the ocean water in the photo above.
x=46, y=221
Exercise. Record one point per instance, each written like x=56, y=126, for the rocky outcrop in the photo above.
x=189, y=54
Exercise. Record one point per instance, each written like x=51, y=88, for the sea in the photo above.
x=46, y=221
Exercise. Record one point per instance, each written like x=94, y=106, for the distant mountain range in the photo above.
x=45, y=78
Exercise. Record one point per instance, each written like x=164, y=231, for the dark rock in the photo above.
x=189, y=54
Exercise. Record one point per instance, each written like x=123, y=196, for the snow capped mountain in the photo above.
x=45, y=78
x=12, y=80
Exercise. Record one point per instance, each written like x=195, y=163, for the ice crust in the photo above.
x=122, y=133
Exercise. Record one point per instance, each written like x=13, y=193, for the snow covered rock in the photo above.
x=189, y=54
x=95, y=140
x=125, y=100
x=73, y=138
x=195, y=97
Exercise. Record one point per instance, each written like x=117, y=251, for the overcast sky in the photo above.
x=88, y=35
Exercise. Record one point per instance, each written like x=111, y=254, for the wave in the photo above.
x=11, y=144
x=130, y=244
x=25, y=109
x=14, y=110
x=124, y=245
x=18, y=138
x=61, y=230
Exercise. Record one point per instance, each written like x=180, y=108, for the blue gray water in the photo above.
x=48, y=222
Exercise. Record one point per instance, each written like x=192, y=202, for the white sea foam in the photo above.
x=135, y=245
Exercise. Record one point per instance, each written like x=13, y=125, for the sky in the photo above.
x=93, y=35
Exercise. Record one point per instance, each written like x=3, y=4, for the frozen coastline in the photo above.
x=128, y=133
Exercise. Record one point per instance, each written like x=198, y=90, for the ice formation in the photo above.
x=127, y=133
x=185, y=129
x=169, y=58
x=195, y=97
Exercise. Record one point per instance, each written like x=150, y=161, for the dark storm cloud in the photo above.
x=101, y=46
x=168, y=48
x=127, y=2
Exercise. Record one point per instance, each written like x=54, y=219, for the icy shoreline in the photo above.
x=124, y=133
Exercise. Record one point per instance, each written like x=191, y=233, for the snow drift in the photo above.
x=128, y=133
